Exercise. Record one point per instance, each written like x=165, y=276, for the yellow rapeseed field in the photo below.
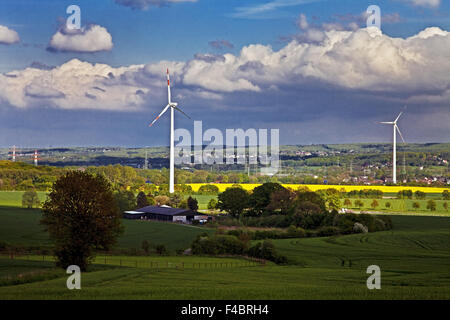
x=314, y=187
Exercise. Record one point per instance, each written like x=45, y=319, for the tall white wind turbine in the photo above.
x=394, y=152
x=173, y=106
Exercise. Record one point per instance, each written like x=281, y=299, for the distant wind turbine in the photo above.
x=173, y=106
x=394, y=152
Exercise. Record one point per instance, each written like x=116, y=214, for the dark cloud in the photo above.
x=221, y=44
x=209, y=57
x=145, y=4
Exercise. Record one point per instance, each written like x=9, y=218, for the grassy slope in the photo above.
x=14, y=198
x=414, y=260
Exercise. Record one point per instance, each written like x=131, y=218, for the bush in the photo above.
x=295, y=232
x=161, y=249
x=328, y=231
x=208, y=189
x=218, y=244
x=266, y=250
x=212, y=204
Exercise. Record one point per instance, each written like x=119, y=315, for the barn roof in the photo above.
x=164, y=210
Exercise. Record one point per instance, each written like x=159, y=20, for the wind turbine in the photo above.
x=173, y=106
x=394, y=152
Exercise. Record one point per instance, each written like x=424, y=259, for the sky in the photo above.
x=310, y=68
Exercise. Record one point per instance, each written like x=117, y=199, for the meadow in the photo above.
x=414, y=259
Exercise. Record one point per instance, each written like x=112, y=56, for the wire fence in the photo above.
x=153, y=264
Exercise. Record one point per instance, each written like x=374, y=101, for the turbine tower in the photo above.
x=173, y=106
x=394, y=150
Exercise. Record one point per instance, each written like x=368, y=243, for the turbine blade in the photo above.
x=168, y=87
x=386, y=122
x=178, y=109
x=162, y=112
x=400, y=133
x=398, y=117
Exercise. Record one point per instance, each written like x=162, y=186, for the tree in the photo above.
x=161, y=249
x=30, y=199
x=175, y=199
x=374, y=204
x=387, y=204
x=359, y=203
x=333, y=201
x=416, y=205
x=260, y=198
x=233, y=201
x=142, y=200
x=420, y=195
x=281, y=200
x=208, y=189
x=81, y=216
x=347, y=202
x=446, y=195
x=445, y=205
x=162, y=200
x=212, y=204
x=125, y=200
x=431, y=205
x=146, y=246
x=192, y=203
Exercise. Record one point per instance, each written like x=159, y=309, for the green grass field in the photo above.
x=14, y=198
x=414, y=259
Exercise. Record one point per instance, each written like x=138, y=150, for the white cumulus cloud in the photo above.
x=90, y=39
x=415, y=68
x=425, y=3
x=8, y=36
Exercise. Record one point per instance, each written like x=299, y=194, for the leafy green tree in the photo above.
x=374, y=204
x=162, y=200
x=359, y=203
x=445, y=205
x=420, y=195
x=175, y=199
x=233, y=201
x=446, y=195
x=142, y=200
x=81, y=216
x=333, y=201
x=146, y=246
x=260, y=198
x=30, y=199
x=312, y=197
x=161, y=249
x=431, y=205
x=281, y=200
x=387, y=205
x=347, y=202
x=416, y=205
x=192, y=203
x=208, y=189
x=212, y=204
x=125, y=200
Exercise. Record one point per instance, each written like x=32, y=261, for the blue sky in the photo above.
x=312, y=106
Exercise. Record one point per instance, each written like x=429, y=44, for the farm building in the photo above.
x=166, y=213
